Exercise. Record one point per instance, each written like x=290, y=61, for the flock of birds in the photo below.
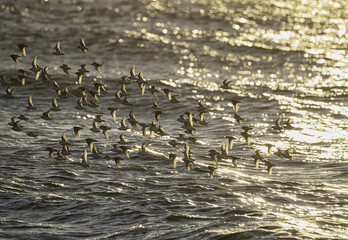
x=88, y=97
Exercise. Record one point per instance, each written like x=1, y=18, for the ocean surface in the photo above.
x=285, y=59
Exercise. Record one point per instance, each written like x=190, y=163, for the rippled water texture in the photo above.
x=284, y=59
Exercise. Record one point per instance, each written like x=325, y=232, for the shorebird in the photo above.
x=50, y=153
x=23, y=47
x=46, y=115
x=22, y=117
x=156, y=107
x=122, y=140
x=286, y=154
x=230, y=141
x=95, y=127
x=15, y=57
x=142, y=87
x=118, y=161
x=168, y=92
x=225, y=84
x=174, y=144
x=77, y=131
x=105, y=129
x=58, y=50
x=31, y=106
x=235, y=104
x=247, y=137
x=113, y=112
x=9, y=92
x=80, y=104
x=132, y=120
x=141, y=79
x=212, y=170
x=83, y=46
x=55, y=106
x=153, y=128
x=269, y=166
x=123, y=124
x=269, y=148
x=277, y=126
x=65, y=68
x=201, y=108
x=84, y=162
x=97, y=67
x=90, y=142
x=153, y=91
x=172, y=157
x=64, y=140
x=132, y=74
x=98, y=118
x=238, y=118
x=214, y=154
x=32, y=134
x=288, y=124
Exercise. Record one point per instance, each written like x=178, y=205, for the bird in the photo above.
x=9, y=92
x=168, y=93
x=31, y=106
x=105, y=129
x=225, y=84
x=286, y=154
x=235, y=103
x=90, y=142
x=212, y=170
x=83, y=46
x=288, y=124
x=156, y=107
x=172, y=157
x=113, y=112
x=132, y=120
x=97, y=67
x=153, y=91
x=15, y=58
x=132, y=74
x=123, y=124
x=50, y=153
x=247, y=137
x=64, y=140
x=58, y=51
x=201, y=108
x=65, y=69
x=122, y=140
x=118, y=161
x=22, y=117
x=80, y=104
x=84, y=162
x=269, y=148
x=141, y=79
x=277, y=126
x=153, y=128
x=95, y=127
x=55, y=106
x=269, y=166
x=23, y=47
x=142, y=88
x=214, y=154
x=238, y=118
x=230, y=141
x=32, y=134
x=174, y=144
x=247, y=129
x=17, y=126
x=77, y=131
x=46, y=115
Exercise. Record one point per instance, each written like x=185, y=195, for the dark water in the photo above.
x=284, y=58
